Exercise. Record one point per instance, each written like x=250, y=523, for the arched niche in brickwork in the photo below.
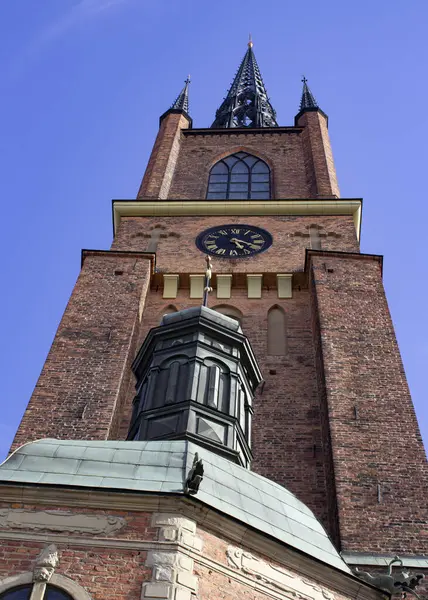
x=276, y=333
x=169, y=309
x=229, y=311
x=66, y=587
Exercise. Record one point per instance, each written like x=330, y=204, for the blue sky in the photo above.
x=83, y=84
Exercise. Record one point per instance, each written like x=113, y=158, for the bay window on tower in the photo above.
x=239, y=176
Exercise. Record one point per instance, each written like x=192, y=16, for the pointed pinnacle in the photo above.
x=250, y=41
x=182, y=100
x=307, y=100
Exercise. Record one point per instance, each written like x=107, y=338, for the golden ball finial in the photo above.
x=250, y=42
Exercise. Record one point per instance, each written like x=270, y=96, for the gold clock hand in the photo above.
x=237, y=243
x=248, y=243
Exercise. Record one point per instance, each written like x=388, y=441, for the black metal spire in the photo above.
x=308, y=100
x=247, y=103
x=182, y=101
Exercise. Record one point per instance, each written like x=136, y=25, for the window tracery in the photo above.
x=239, y=176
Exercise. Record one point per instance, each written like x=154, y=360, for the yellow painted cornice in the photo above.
x=244, y=208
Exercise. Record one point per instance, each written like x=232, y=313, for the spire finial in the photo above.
x=182, y=100
x=247, y=103
x=307, y=101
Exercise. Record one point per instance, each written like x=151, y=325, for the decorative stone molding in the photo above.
x=170, y=286
x=284, y=284
x=275, y=576
x=46, y=563
x=172, y=571
x=254, y=286
x=196, y=286
x=224, y=286
x=60, y=520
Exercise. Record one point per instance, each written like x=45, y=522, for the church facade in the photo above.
x=265, y=446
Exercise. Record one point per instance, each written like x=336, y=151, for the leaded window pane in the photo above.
x=238, y=177
x=215, y=196
x=240, y=167
x=22, y=593
x=259, y=187
x=260, y=195
x=217, y=178
x=220, y=167
x=238, y=195
x=250, y=160
x=238, y=187
x=260, y=167
x=260, y=177
x=54, y=593
x=217, y=187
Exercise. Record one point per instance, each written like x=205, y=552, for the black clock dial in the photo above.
x=234, y=241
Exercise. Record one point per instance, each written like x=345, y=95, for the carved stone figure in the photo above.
x=195, y=476
x=403, y=582
x=46, y=563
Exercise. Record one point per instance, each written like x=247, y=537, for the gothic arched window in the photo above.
x=239, y=176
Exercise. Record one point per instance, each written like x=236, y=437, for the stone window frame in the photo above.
x=59, y=581
x=227, y=165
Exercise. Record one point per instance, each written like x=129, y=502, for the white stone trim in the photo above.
x=170, y=286
x=224, y=286
x=254, y=286
x=197, y=286
x=284, y=284
x=173, y=575
x=207, y=208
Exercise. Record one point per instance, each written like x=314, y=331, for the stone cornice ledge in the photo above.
x=237, y=532
x=119, y=254
x=245, y=208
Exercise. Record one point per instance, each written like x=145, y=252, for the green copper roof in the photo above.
x=162, y=467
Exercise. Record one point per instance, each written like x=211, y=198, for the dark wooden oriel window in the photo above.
x=239, y=176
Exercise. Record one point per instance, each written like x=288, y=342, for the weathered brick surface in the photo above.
x=379, y=461
x=110, y=572
x=85, y=378
x=160, y=169
x=319, y=163
x=177, y=253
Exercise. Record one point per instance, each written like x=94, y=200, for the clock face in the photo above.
x=234, y=241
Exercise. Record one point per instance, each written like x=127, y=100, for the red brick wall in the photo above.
x=109, y=572
x=84, y=377
x=178, y=253
x=374, y=433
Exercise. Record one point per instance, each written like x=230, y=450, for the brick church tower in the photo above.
x=175, y=451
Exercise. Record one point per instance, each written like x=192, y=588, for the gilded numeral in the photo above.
x=246, y=251
x=247, y=232
x=233, y=253
x=235, y=231
x=211, y=246
x=222, y=232
x=220, y=251
x=255, y=236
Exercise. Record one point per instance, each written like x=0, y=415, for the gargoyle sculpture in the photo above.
x=195, y=476
x=402, y=582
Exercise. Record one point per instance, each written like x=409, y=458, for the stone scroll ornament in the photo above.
x=394, y=583
x=46, y=563
x=274, y=576
x=195, y=476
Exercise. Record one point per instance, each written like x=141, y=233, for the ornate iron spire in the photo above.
x=182, y=101
x=308, y=100
x=247, y=103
